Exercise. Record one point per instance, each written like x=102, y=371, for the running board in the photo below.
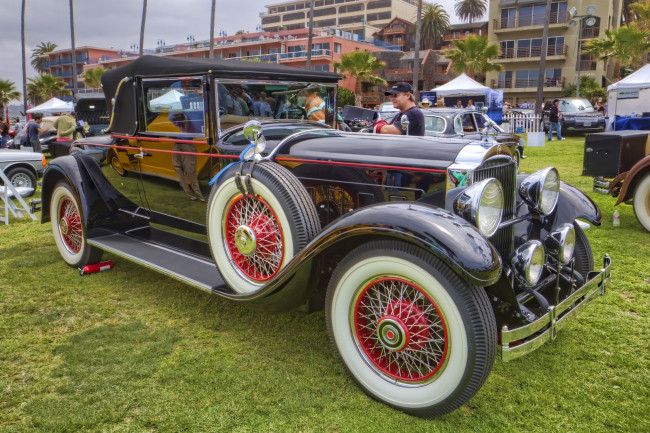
x=191, y=270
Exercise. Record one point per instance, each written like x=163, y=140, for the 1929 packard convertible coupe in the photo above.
x=430, y=256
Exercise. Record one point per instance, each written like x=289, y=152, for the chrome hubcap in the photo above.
x=64, y=226
x=393, y=333
x=245, y=240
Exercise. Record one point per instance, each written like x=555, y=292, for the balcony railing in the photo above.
x=590, y=32
x=588, y=65
x=396, y=31
x=530, y=20
x=521, y=53
x=458, y=36
x=303, y=54
x=401, y=74
x=506, y=83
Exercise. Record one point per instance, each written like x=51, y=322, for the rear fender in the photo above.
x=632, y=178
x=448, y=237
x=94, y=193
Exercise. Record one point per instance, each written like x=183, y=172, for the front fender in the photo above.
x=450, y=238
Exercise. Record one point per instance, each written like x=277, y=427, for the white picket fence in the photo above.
x=522, y=123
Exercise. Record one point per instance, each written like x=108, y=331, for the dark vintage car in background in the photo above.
x=430, y=255
x=470, y=124
x=577, y=115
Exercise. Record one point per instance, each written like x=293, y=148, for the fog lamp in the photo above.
x=528, y=262
x=561, y=243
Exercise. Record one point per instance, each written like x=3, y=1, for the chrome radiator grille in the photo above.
x=505, y=170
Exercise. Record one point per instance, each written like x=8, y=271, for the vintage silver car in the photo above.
x=22, y=168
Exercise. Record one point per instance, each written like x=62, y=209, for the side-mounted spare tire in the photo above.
x=257, y=223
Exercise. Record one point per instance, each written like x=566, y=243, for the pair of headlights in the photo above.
x=482, y=203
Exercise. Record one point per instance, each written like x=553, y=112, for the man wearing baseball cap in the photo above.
x=401, y=95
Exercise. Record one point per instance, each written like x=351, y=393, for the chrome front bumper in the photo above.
x=532, y=336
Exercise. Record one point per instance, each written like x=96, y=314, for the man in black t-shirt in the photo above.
x=401, y=95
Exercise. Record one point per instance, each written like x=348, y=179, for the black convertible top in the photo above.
x=155, y=66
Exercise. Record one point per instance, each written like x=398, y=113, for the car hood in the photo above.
x=371, y=149
x=11, y=155
x=583, y=113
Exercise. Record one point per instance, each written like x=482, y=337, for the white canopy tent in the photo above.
x=54, y=105
x=168, y=101
x=629, y=95
x=461, y=86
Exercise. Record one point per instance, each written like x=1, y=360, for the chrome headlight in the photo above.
x=528, y=262
x=541, y=190
x=482, y=205
x=561, y=243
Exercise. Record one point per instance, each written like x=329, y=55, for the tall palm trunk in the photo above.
x=22, y=41
x=74, y=53
x=542, y=64
x=416, y=62
x=212, y=29
x=144, y=17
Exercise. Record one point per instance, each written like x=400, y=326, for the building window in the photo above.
x=321, y=68
x=350, y=20
x=507, y=49
x=294, y=16
x=379, y=4
x=558, y=12
x=556, y=46
x=532, y=15
x=324, y=11
x=296, y=49
x=505, y=80
x=553, y=77
x=526, y=78
x=350, y=8
x=508, y=18
x=337, y=47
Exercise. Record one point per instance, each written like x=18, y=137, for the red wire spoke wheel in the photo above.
x=408, y=329
x=68, y=228
x=254, y=238
x=258, y=223
x=400, y=329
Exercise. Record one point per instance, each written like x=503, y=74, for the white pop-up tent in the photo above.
x=54, y=105
x=168, y=101
x=629, y=95
x=461, y=86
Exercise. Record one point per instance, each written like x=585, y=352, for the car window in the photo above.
x=238, y=101
x=468, y=123
x=175, y=106
x=480, y=120
x=458, y=125
x=435, y=124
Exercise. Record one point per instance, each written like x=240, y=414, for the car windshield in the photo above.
x=435, y=124
x=575, y=105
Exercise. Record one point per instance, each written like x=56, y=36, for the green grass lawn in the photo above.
x=132, y=350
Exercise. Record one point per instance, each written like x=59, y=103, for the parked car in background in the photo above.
x=469, y=124
x=22, y=168
x=577, y=115
x=429, y=255
x=45, y=138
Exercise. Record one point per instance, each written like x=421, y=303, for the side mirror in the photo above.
x=253, y=132
x=404, y=121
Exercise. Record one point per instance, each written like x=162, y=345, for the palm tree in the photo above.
x=74, y=53
x=38, y=62
x=641, y=12
x=92, y=77
x=470, y=10
x=360, y=65
x=626, y=45
x=8, y=93
x=44, y=87
x=473, y=56
x=22, y=52
x=435, y=22
x=144, y=16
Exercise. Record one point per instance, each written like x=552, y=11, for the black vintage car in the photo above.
x=430, y=256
